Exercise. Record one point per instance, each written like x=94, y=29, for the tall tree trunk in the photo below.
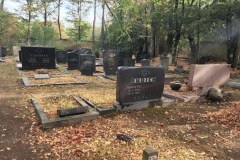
x=29, y=4
x=153, y=33
x=2, y=4
x=102, y=28
x=229, y=33
x=235, y=43
x=94, y=22
x=58, y=19
x=45, y=13
x=80, y=19
x=146, y=33
x=193, y=47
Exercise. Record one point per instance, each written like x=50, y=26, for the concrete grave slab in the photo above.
x=234, y=83
x=62, y=121
x=41, y=76
x=208, y=75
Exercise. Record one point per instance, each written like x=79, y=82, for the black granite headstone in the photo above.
x=145, y=62
x=87, y=64
x=129, y=62
x=61, y=57
x=139, y=83
x=110, y=61
x=72, y=60
x=38, y=57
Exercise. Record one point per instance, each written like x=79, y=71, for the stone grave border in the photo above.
x=182, y=98
x=62, y=121
x=28, y=84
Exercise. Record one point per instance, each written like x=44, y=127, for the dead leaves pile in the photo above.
x=228, y=116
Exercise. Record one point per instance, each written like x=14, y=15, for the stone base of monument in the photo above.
x=106, y=111
x=66, y=120
x=2, y=59
x=164, y=101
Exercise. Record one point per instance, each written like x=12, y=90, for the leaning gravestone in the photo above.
x=145, y=62
x=73, y=60
x=38, y=57
x=87, y=64
x=139, y=84
x=110, y=61
x=61, y=57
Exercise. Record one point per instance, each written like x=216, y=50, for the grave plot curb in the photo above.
x=107, y=77
x=181, y=98
x=62, y=121
x=27, y=83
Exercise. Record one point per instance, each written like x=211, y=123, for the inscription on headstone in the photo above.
x=73, y=60
x=110, y=61
x=37, y=57
x=139, y=84
x=87, y=64
x=61, y=57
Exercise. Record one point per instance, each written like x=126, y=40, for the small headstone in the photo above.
x=87, y=64
x=215, y=94
x=110, y=61
x=145, y=62
x=72, y=60
x=38, y=57
x=129, y=62
x=139, y=84
x=150, y=153
x=208, y=75
x=41, y=76
x=164, y=61
x=61, y=57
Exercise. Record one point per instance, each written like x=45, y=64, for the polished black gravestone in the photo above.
x=87, y=64
x=129, y=62
x=139, y=84
x=122, y=56
x=145, y=62
x=61, y=57
x=110, y=61
x=72, y=60
x=38, y=57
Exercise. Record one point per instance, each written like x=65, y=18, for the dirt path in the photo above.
x=13, y=128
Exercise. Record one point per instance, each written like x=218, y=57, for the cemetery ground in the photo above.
x=192, y=130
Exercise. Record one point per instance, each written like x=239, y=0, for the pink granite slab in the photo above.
x=208, y=75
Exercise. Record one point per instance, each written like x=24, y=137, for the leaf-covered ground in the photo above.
x=207, y=130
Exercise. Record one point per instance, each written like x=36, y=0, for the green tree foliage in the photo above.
x=43, y=35
x=73, y=33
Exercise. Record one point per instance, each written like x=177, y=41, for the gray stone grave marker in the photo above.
x=87, y=64
x=41, y=76
x=110, y=61
x=139, y=84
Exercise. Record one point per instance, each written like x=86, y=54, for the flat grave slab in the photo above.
x=41, y=76
x=39, y=82
x=234, y=83
x=62, y=121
